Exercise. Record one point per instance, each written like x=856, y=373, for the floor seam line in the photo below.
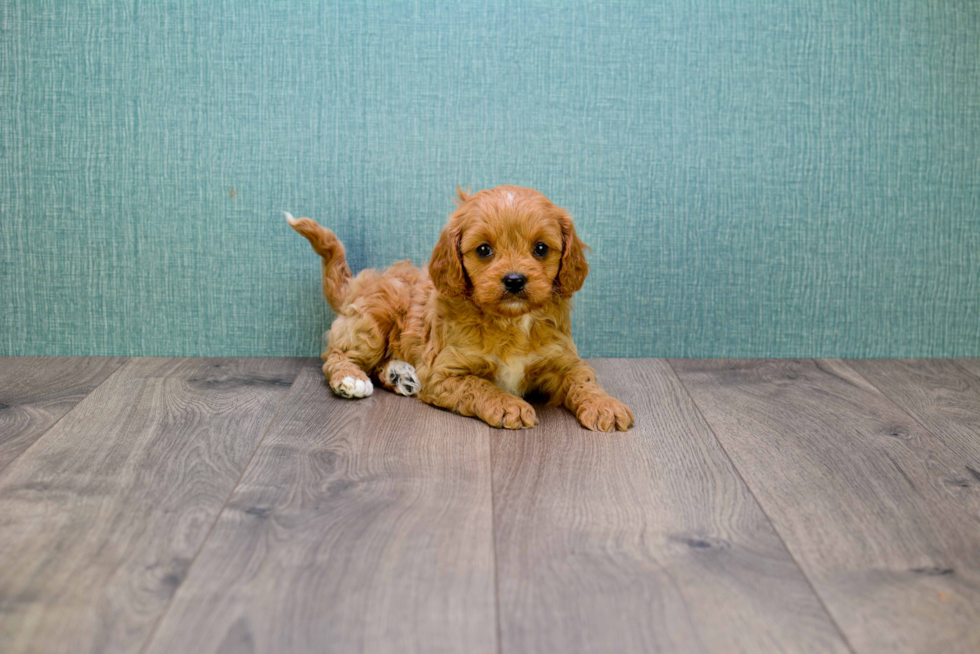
x=37, y=440
x=806, y=577
x=217, y=517
x=493, y=542
x=901, y=408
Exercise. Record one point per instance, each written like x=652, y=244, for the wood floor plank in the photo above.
x=939, y=394
x=970, y=365
x=101, y=518
x=36, y=392
x=360, y=526
x=645, y=541
x=861, y=494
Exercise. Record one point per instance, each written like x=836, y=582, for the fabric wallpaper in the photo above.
x=755, y=178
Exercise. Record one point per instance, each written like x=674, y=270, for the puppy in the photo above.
x=487, y=323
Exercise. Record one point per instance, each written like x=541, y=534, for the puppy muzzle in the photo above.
x=514, y=283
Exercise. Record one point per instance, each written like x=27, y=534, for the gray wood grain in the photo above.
x=861, y=494
x=360, y=526
x=942, y=396
x=36, y=392
x=101, y=518
x=645, y=541
x=970, y=365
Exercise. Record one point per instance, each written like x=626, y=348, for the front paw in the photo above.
x=604, y=414
x=352, y=388
x=509, y=412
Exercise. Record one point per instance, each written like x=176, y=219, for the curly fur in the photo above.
x=476, y=348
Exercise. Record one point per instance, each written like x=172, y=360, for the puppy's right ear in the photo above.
x=446, y=265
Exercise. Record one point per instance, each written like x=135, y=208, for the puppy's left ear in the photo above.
x=574, y=269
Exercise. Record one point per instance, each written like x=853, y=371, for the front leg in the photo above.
x=473, y=396
x=581, y=394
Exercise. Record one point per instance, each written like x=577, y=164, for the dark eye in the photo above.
x=541, y=250
x=484, y=251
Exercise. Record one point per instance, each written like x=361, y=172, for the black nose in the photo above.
x=514, y=282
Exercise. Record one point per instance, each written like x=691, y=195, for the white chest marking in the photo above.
x=510, y=374
x=526, y=323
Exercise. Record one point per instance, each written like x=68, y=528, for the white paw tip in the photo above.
x=350, y=387
x=289, y=218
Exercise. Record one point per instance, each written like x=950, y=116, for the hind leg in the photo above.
x=399, y=377
x=355, y=347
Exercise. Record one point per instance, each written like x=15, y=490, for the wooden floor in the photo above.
x=235, y=505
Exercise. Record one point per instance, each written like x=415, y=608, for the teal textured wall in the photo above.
x=774, y=178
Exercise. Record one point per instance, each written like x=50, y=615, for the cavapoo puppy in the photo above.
x=487, y=323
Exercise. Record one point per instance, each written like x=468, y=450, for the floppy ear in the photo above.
x=446, y=264
x=573, y=269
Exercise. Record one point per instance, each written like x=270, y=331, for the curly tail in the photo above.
x=336, y=273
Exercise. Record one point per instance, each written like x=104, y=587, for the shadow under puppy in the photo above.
x=487, y=323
